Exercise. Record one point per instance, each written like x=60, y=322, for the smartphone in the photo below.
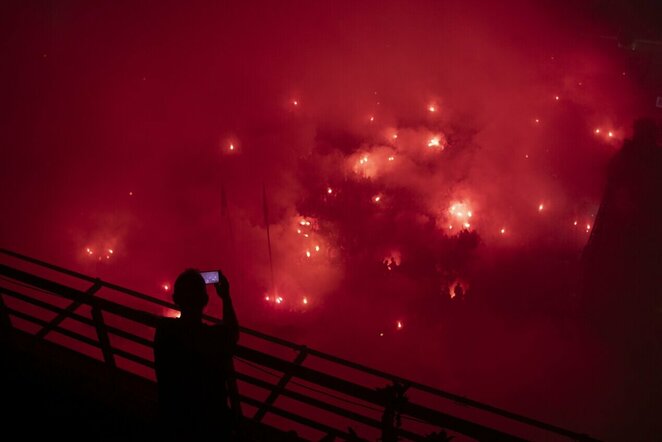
x=211, y=277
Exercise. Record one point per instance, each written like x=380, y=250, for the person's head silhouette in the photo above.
x=190, y=293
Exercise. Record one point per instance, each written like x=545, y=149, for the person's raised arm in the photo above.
x=229, y=315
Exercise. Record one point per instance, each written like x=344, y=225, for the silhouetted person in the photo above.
x=193, y=363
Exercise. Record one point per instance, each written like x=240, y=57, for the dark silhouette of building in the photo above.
x=193, y=363
x=623, y=258
x=622, y=276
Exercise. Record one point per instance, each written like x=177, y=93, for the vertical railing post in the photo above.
x=102, y=334
x=233, y=390
x=259, y=414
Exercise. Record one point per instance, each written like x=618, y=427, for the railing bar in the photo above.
x=260, y=413
x=335, y=359
x=76, y=316
x=67, y=311
x=59, y=329
x=134, y=358
x=102, y=335
x=459, y=399
x=324, y=406
x=434, y=417
x=302, y=420
x=86, y=277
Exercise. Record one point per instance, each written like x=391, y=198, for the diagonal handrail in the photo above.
x=140, y=316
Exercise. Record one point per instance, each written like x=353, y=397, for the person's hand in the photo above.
x=222, y=286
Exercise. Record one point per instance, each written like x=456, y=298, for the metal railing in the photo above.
x=303, y=393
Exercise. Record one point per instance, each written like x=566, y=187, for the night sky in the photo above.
x=400, y=149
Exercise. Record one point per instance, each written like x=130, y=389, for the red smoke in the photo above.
x=403, y=148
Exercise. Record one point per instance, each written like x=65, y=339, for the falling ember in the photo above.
x=610, y=134
x=231, y=147
x=267, y=298
x=376, y=199
x=299, y=231
x=556, y=98
x=110, y=251
x=381, y=334
x=537, y=120
x=588, y=227
x=372, y=118
x=391, y=158
x=317, y=248
x=130, y=193
x=597, y=131
x=308, y=253
x=541, y=207
x=305, y=300
x=394, y=136
x=432, y=108
x=89, y=251
x=166, y=287
x=295, y=102
x=329, y=190
x=279, y=299
x=575, y=223
x=398, y=325
x=502, y=231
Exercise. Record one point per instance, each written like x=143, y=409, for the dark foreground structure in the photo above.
x=77, y=364
x=622, y=273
